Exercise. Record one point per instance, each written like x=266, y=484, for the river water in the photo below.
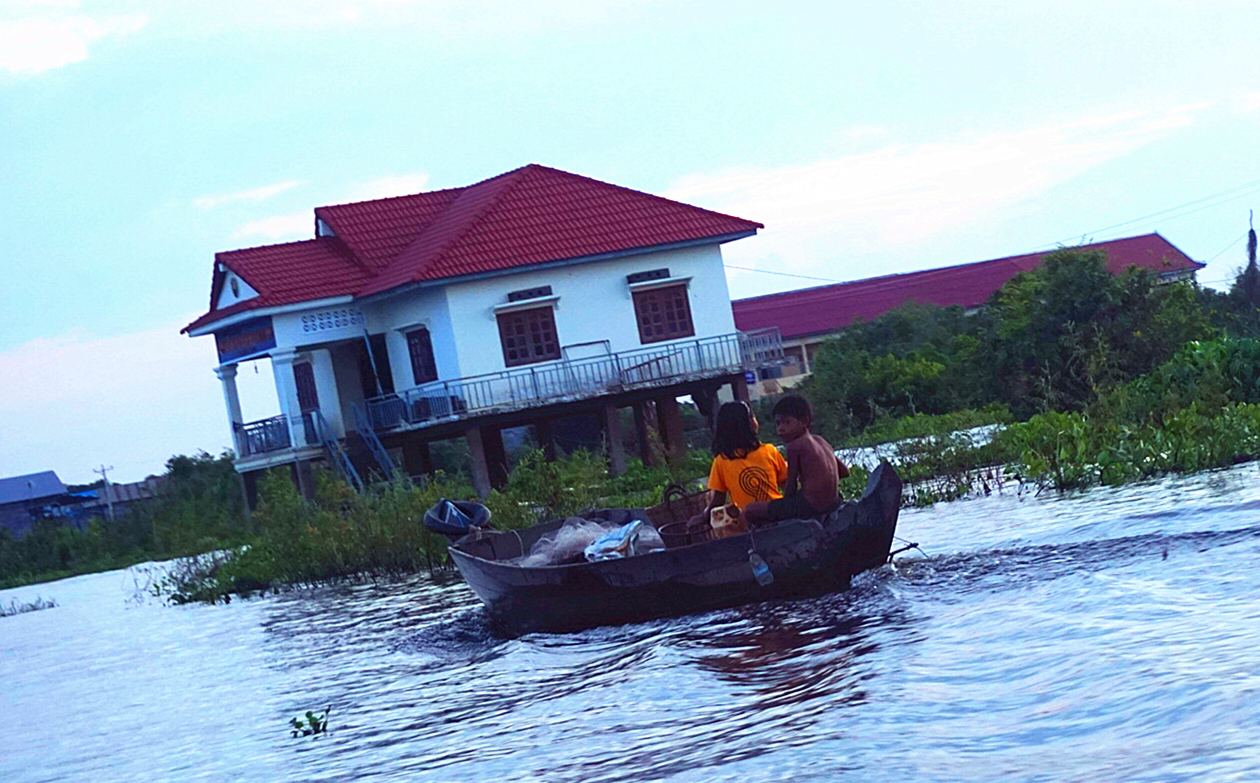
x=1112, y=635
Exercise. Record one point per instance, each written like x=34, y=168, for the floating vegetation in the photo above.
x=16, y=607
x=313, y=726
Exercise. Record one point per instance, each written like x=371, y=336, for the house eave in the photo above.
x=246, y=315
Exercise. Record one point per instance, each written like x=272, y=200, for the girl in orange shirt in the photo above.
x=743, y=467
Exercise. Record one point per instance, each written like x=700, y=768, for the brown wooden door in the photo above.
x=304, y=377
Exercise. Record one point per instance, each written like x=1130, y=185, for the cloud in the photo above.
x=128, y=400
x=256, y=194
x=901, y=195
x=301, y=225
x=41, y=36
x=389, y=185
x=434, y=18
x=295, y=225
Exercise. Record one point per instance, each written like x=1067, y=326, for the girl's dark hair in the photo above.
x=733, y=435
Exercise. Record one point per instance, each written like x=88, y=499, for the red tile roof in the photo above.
x=281, y=274
x=528, y=216
x=810, y=311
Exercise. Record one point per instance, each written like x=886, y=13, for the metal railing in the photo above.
x=273, y=435
x=576, y=379
x=336, y=454
x=262, y=437
x=383, y=460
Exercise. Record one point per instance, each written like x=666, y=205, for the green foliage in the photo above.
x=913, y=360
x=343, y=534
x=1200, y=410
x=314, y=725
x=924, y=424
x=538, y=489
x=201, y=508
x=1054, y=338
x=1067, y=330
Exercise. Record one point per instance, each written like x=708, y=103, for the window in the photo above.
x=420, y=349
x=663, y=313
x=529, y=336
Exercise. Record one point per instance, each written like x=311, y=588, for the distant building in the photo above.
x=808, y=316
x=119, y=497
x=24, y=500
x=523, y=299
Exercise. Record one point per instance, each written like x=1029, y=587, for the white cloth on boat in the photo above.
x=615, y=543
x=569, y=542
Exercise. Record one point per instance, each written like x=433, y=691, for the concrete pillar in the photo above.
x=739, y=388
x=706, y=401
x=496, y=456
x=477, y=462
x=232, y=400
x=612, y=436
x=326, y=389
x=286, y=394
x=417, y=460
x=304, y=478
x=643, y=431
x=249, y=485
x=671, y=428
x=542, y=431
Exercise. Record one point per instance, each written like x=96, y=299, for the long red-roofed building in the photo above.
x=805, y=317
x=530, y=296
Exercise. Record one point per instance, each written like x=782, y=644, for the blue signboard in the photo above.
x=245, y=339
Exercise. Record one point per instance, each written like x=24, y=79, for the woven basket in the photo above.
x=677, y=534
x=678, y=506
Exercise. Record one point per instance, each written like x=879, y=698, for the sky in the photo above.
x=139, y=137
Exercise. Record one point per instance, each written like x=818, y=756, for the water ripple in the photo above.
x=1104, y=635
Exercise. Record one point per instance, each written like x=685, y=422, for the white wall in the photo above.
x=319, y=325
x=595, y=304
x=398, y=315
x=243, y=291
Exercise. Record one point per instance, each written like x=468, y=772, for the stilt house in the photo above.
x=522, y=299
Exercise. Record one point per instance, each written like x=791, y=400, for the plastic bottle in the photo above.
x=761, y=571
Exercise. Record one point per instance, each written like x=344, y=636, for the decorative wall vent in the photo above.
x=529, y=293
x=643, y=277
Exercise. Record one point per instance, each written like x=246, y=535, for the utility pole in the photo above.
x=109, y=499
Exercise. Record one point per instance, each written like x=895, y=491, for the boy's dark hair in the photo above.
x=795, y=406
x=733, y=435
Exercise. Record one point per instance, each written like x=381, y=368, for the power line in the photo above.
x=1254, y=186
x=109, y=498
x=781, y=274
x=1227, y=247
x=1216, y=199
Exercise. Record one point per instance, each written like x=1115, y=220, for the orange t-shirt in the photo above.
x=755, y=476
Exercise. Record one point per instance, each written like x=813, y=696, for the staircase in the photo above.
x=336, y=454
x=365, y=439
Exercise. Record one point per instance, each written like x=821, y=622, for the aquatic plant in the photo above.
x=314, y=725
x=19, y=607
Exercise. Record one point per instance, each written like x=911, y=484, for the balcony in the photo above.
x=576, y=379
x=273, y=435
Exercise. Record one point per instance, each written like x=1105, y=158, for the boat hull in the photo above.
x=806, y=557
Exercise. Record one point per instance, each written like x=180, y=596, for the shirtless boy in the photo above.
x=813, y=469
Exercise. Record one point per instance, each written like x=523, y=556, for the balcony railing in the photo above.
x=270, y=435
x=576, y=379
x=260, y=437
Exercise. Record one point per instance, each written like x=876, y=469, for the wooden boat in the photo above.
x=805, y=556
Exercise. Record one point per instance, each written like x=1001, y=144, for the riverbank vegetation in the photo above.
x=201, y=509
x=1069, y=377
